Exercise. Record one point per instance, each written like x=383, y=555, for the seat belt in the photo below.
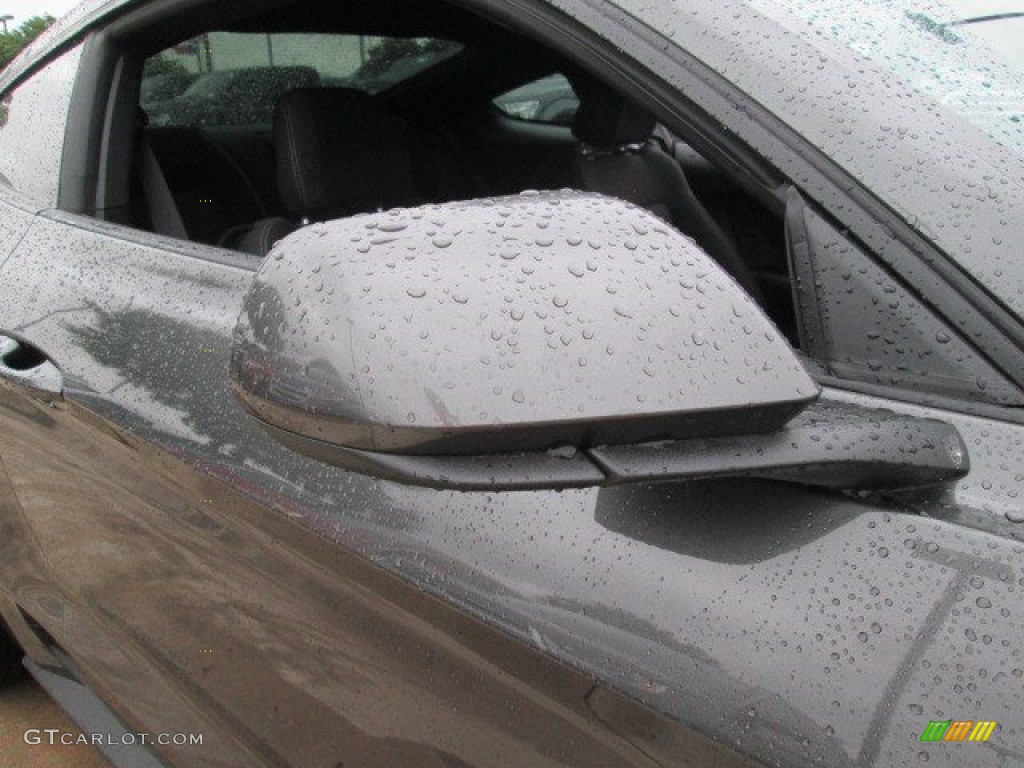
x=163, y=212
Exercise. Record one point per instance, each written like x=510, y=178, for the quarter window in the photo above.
x=548, y=100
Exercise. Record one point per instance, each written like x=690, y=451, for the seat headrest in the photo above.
x=339, y=153
x=606, y=119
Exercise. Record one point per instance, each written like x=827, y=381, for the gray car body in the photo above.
x=198, y=576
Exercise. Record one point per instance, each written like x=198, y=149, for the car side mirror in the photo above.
x=493, y=343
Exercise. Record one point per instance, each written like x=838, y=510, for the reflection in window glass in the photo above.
x=548, y=100
x=227, y=78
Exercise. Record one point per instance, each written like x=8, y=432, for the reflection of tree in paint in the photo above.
x=181, y=367
x=177, y=364
x=12, y=42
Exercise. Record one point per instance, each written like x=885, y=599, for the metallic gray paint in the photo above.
x=738, y=608
x=411, y=626
x=511, y=324
x=829, y=444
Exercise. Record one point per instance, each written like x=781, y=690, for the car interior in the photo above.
x=234, y=124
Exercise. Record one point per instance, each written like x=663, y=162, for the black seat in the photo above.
x=617, y=157
x=337, y=154
x=211, y=193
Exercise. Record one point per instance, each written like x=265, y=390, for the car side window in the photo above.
x=550, y=100
x=392, y=121
x=233, y=79
x=33, y=117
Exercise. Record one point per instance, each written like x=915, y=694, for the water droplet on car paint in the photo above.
x=563, y=452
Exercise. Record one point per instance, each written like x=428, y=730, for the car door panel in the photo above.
x=205, y=579
x=125, y=488
x=16, y=214
x=236, y=571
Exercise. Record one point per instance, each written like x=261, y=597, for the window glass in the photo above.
x=964, y=53
x=912, y=98
x=958, y=56
x=228, y=78
x=33, y=117
x=548, y=100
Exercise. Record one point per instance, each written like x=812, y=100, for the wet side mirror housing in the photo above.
x=432, y=344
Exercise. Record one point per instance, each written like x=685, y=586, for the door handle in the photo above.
x=23, y=364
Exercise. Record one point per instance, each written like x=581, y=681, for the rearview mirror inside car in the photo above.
x=503, y=343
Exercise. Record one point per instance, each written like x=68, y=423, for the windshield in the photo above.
x=917, y=100
x=966, y=54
